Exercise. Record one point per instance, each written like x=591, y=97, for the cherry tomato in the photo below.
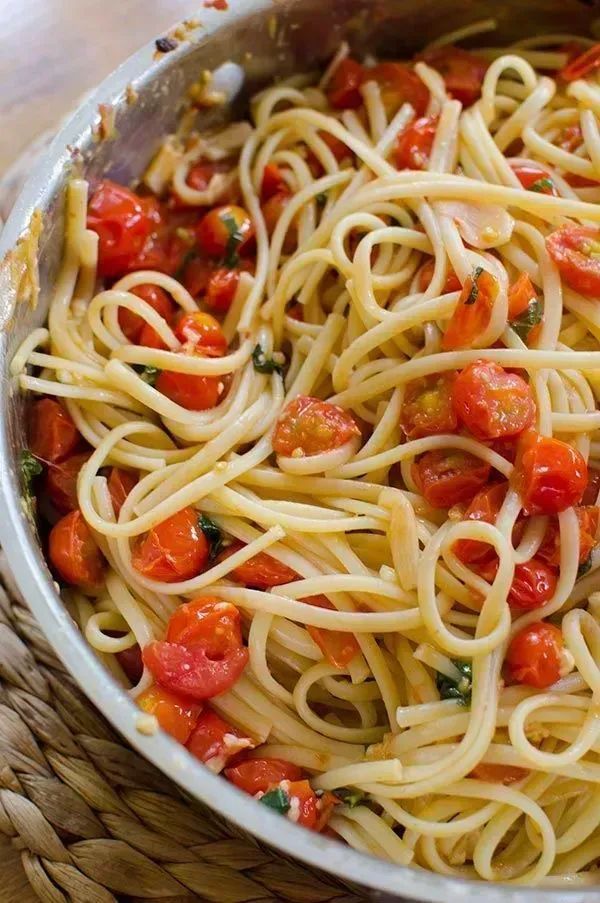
x=582, y=65
x=576, y=252
x=399, y=84
x=452, y=283
x=533, y=178
x=296, y=312
x=52, y=434
x=484, y=507
x=221, y=289
x=473, y=311
x=592, y=490
x=262, y=571
x=534, y=655
x=190, y=672
x=272, y=182
x=413, y=148
x=307, y=800
x=463, y=72
x=131, y=662
x=175, y=715
x=173, y=550
x=225, y=231
x=344, y=88
x=427, y=407
x=259, y=775
x=203, y=331
x=498, y=774
x=337, y=147
x=194, y=393
x=587, y=517
x=491, y=402
x=338, y=646
x=120, y=484
x=61, y=482
x=208, y=622
x=74, y=554
x=132, y=324
x=272, y=211
x=122, y=223
x=534, y=584
x=312, y=426
x=216, y=740
x=201, y=174
x=520, y=294
x=447, y=478
x=149, y=338
x=196, y=275
x=549, y=475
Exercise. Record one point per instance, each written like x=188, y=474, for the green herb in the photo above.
x=528, y=319
x=321, y=199
x=350, y=796
x=474, y=293
x=277, y=799
x=150, y=375
x=30, y=469
x=543, y=186
x=585, y=567
x=213, y=535
x=233, y=242
x=187, y=258
x=263, y=364
x=456, y=689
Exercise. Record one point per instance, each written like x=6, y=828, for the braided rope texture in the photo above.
x=93, y=821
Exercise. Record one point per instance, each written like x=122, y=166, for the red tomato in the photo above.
x=132, y=324
x=399, y=84
x=296, y=312
x=534, y=655
x=452, y=283
x=122, y=223
x=588, y=527
x=570, y=138
x=52, y=434
x=427, y=407
x=201, y=174
x=307, y=800
x=582, y=65
x=484, y=507
x=272, y=181
x=498, y=774
x=533, y=178
x=272, y=211
x=194, y=393
x=120, y=484
x=413, y=148
x=344, y=88
x=196, y=275
x=190, y=672
x=203, y=331
x=534, y=583
x=549, y=475
x=576, y=252
x=173, y=550
x=74, y=554
x=447, y=478
x=462, y=71
x=472, y=312
x=491, y=402
x=61, y=482
x=337, y=147
x=224, y=231
x=520, y=294
x=261, y=571
x=259, y=775
x=338, y=646
x=215, y=739
x=149, y=338
x=131, y=662
x=175, y=715
x=208, y=622
x=313, y=426
x=592, y=490
x=221, y=289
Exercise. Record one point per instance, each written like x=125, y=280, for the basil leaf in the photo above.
x=233, y=242
x=321, y=199
x=585, y=567
x=350, y=796
x=149, y=375
x=213, y=535
x=456, y=689
x=528, y=319
x=30, y=469
x=542, y=186
x=277, y=799
x=474, y=293
x=263, y=364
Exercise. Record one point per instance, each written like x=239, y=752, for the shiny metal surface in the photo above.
x=265, y=38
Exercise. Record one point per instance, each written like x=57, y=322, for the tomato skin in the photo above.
x=447, y=478
x=484, y=507
x=196, y=275
x=213, y=738
x=313, y=426
x=498, y=774
x=473, y=311
x=202, y=331
x=582, y=65
x=207, y=622
x=413, y=148
x=533, y=178
x=132, y=324
x=452, y=283
x=74, y=554
x=213, y=234
x=309, y=803
x=399, y=84
x=175, y=715
x=53, y=435
x=549, y=475
x=221, y=289
x=272, y=181
x=122, y=224
x=492, y=403
x=259, y=775
x=344, y=88
x=533, y=585
x=534, y=655
x=520, y=295
x=574, y=250
x=262, y=571
x=61, y=482
x=427, y=408
x=587, y=517
x=592, y=490
x=337, y=646
x=463, y=72
x=272, y=211
x=194, y=393
x=120, y=484
x=173, y=550
x=190, y=672
x=131, y=662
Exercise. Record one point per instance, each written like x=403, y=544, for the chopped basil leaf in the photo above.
x=321, y=199
x=277, y=799
x=30, y=469
x=350, y=796
x=585, y=567
x=150, y=375
x=542, y=186
x=263, y=364
x=528, y=319
x=233, y=242
x=456, y=689
x=474, y=293
x=213, y=535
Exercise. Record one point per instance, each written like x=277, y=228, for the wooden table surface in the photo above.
x=51, y=51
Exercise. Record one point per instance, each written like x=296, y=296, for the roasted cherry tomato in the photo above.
x=194, y=393
x=122, y=222
x=202, y=331
x=131, y=662
x=534, y=655
x=61, y=482
x=52, y=434
x=427, y=408
x=450, y=477
x=176, y=716
x=208, y=622
x=196, y=273
x=215, y=742
x=491, y=402
x=484, y=507
x=338, y=646
x=259, y=775
x=533, y=584
x=534, y=178
x=149, y=338
x=272, y=182
x=173, y=550
x=132, y=324
x=262, y=571
x=588, y=517
x=225, y=232
x=463, y=72
x=582, y=66
x=592, y=490
x=576, y=252
x=520, y=295
x=309, y=426
x=190, y=672
x=399, y=84
x=344, y=88
x=413, y=148
x=74, y=554
x=272, y=211
x=221, y=289
x=307, y=803
x=473, y=311
x=549, y=475
x=452, y=283
x=498, y=774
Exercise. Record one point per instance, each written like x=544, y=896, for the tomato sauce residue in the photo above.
x=216, y=4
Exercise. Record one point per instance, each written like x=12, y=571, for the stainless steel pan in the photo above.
x=266, y=38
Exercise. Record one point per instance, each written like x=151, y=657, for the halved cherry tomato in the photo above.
x=582, y=65
x=61, y=482
x=194, y=393
x=338, y=646
x=272, y=181
x=576, y=252
x=176, y=549
x=132, y=324
x=262, y=571
x=221, y=289
x=74, y=554
x=215, y=742
x=491, y=402
x=344, y=88
x=176, y=716
x=463, y=72
x=52, y=434
x=592, y=490
x=533, y=584
x=448, y=478
x=312, y=426
x=533, y=178
x=484, y=507
x=473, y=311
x=208, y=622
x=452, y=283
x=549, y=475
x=399, y=84
x=498, y=774
x=202, y=331
x=122, y=223
x=225, y=230
x=427, y=407
x=520, y=294
x=131, y=662
x=588, y=517
x=120, y=484
x=190, y=672
x=259, y=775
x=534, y=655
x=413, y=148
